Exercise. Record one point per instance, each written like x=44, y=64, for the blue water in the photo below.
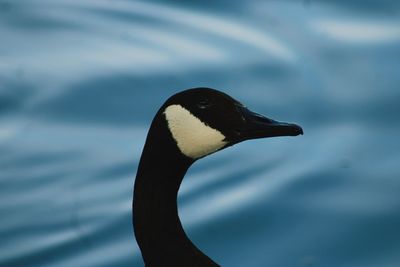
x=81, y=80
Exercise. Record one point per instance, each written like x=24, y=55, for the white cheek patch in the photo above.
x=194, y=138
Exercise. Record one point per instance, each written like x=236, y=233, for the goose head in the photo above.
x=203, y=120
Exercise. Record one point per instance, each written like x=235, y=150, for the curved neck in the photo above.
x=157, y=227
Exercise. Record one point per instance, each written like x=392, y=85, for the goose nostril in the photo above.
x=237, y=132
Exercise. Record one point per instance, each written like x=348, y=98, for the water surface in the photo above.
x=81, y=80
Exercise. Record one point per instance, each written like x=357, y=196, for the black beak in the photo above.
x=257, y=126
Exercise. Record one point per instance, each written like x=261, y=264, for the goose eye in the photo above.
x=204, y=103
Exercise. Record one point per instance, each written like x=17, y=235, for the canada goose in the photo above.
x=190, y=125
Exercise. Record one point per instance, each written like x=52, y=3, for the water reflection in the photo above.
x=359, y=32
x=80, y=82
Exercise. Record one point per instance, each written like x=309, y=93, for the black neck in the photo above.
x=158, y=230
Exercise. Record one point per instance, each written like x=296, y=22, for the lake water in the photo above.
x=81, y=80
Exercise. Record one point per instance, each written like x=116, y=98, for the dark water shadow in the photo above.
x=14, y=93
x=38, y=159
x=19, y=15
